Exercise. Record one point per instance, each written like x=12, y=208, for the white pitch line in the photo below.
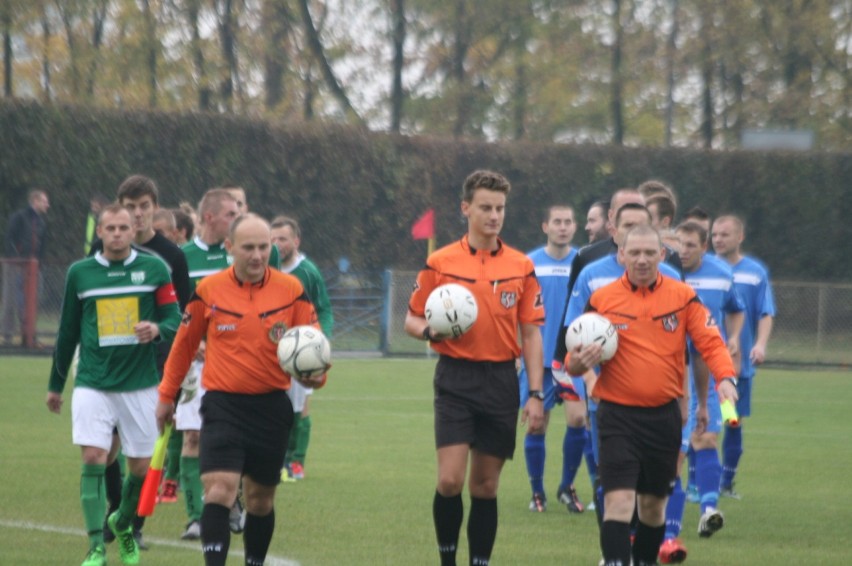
x=30, y=526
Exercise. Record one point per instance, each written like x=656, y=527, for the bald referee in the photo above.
x=242, y=311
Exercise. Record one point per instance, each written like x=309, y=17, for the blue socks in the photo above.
x=573, y=446
x=732, y=450
x=708, y=472
x=534, y=451
x=674, y=511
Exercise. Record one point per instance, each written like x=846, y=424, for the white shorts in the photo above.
x=298, y=393
x=94, y=415
x=188, y=411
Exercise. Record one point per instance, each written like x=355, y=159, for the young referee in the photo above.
x=476, y=386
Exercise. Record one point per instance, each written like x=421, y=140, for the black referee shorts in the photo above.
x=476, y=403
x=638, y=447
x=245, y=433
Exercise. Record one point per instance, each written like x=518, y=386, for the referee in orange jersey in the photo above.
x=639, y=419
x=476, y=385
x=242, y=311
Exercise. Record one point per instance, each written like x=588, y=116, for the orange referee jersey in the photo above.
x=652, y=323
x=242, y=323
x=506, y=290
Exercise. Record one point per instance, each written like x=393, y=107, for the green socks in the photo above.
x=190, y=481
x=93, y=501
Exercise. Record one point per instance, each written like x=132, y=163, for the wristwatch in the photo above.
x=536, y=394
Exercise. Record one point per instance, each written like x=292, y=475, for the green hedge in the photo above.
x=357, y=193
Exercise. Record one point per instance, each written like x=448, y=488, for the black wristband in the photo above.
x=427, y=334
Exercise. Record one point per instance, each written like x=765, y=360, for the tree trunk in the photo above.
x=616, y=102
x=45, y=56
x=397, y=94
x=277, y=22
x=706, y=34
x=151, y=51
x=73, y=49
x=193, y=11
x=461, y=44
x=98, y=18
x=317, y=50
x=227, y=40
x=8, y=57
x=671, y=53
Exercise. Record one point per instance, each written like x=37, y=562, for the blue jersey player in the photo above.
x=751, y=278
x=713, y=281
x=553, y=269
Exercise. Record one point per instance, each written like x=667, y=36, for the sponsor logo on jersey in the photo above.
x=508, y=299
x=186, y=318
x=138, y=277
x=670, y=323
x=116, y=274
x=277, y=332
x=226, y=327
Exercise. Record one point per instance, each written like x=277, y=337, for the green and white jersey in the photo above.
x=309, y=274
x=103, y=302
x=206, y=259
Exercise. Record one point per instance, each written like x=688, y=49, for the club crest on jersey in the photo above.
x=277, y=332
x=670, y=322
x=508, y=299
x=138, y=277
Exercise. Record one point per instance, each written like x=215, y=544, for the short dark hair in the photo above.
x=653, y=187
x=696, y=213
x=549, y=210
x=484, y=179
x=690, y=227
x=282, y=221
x=630, y=206
x=138, y=186
x=665, y=206
x=183, y=222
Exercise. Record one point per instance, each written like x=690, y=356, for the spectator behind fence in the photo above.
x=24, y=240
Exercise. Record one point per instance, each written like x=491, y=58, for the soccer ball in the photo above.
x=589, y=328
x=451, y=310
x=304, y=352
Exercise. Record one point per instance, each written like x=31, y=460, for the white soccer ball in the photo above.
x=451, y=310
x=590, y=328
x=304, y=352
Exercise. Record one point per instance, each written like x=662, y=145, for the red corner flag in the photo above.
x=424, y=228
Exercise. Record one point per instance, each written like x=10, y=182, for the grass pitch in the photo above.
x=371, y=471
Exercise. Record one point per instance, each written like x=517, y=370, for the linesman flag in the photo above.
x=424, y=229
x=148, y=497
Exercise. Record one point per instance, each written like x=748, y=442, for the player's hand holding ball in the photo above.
x=591, y=339
x=304, y=353
x=451, y=310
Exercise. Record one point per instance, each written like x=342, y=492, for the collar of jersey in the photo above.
x=473, y=251
x=652, y=287
x=240, y=283
x=206, y=247
x=99, y=257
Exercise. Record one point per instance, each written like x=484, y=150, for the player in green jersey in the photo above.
x=117, y=306
x=286, y=235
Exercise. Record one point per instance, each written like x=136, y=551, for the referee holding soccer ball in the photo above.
x=476, y=385
x=242, y=311
x=639, y=418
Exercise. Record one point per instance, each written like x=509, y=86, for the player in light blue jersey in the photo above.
x=713, y=281
x=553, y=269
x=594, y=276
x=751, y=278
